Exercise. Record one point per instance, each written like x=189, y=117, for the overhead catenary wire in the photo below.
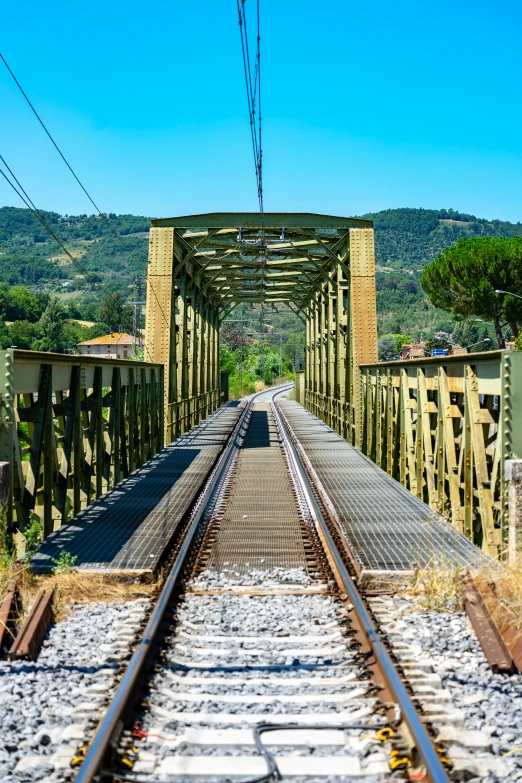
x=253, y=89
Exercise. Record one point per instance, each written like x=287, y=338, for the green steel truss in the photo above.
x=203, y=266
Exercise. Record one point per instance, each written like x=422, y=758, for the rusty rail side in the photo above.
x=500, y=618
x=487, y=633
x=31, y=635
x=7, y=609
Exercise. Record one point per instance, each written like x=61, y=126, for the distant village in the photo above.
x=418, y=350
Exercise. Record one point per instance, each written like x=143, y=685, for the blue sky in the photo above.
x=365, y=106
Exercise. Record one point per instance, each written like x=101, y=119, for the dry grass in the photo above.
x=72, y=586
x=437, y=588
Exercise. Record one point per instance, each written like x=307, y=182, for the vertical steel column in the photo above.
x=307, y=363
x=323, y=347
x=318, y=354
x=183, y=369
x=215, y=338
x=331, y=354
x=7, y=433
x=192, y=342
x=201, y=402
x=208, y=358
x=363, y=314
x=160, y=327
x=214, y=356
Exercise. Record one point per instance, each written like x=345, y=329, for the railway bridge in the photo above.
x=275, y=520
x=82, y=438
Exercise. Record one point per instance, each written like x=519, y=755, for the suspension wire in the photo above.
x=253, y=90
x=103, y=215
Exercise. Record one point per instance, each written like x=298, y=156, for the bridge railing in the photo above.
x=71, y=428
x=444, y=427
x=185, y=414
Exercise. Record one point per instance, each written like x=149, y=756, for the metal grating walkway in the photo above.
x=387, y=528
x=129, y=528
x=261, y=524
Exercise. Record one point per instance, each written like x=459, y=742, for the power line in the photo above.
x=38, y=215
x=103, y=215
x=253, y=89
x=60, y=153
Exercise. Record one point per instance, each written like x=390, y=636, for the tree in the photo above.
x=463, y=280
x=115, y=313
x=387, y=349
x=23, y=334
x=23, y=304
x=98, y=330
x=51, y=326
x=437, y=344
x=466, y=333
x=485, y=343
x=400, y=340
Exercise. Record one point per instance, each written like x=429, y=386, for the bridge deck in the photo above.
x=387, y=528
x=129, y=528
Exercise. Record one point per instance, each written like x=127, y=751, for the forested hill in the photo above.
x=30, y=256
x=406, y=240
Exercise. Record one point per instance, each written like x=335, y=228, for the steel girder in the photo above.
x=202, y=266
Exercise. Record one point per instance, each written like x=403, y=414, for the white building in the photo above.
x=116, y=345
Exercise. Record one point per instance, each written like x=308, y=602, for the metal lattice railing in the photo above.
x=444, y=428
x=71, y=427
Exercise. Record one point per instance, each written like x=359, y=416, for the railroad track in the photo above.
x=260, y=659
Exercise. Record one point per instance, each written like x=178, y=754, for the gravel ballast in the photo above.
x=48, y=707
x=489, y=703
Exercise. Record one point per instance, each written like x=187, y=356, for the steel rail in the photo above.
x=113, y=721
x=435, y=772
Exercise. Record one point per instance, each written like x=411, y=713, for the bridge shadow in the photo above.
x=258, y=434
x=145, y=503
x=130, y=527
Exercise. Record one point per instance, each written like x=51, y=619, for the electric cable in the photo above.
x=253, y=90
x=103, y=215
x=38, y=215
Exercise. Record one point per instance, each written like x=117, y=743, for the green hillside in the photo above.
x=406, y=240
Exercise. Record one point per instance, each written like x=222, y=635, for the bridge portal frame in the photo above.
x=203, y=266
